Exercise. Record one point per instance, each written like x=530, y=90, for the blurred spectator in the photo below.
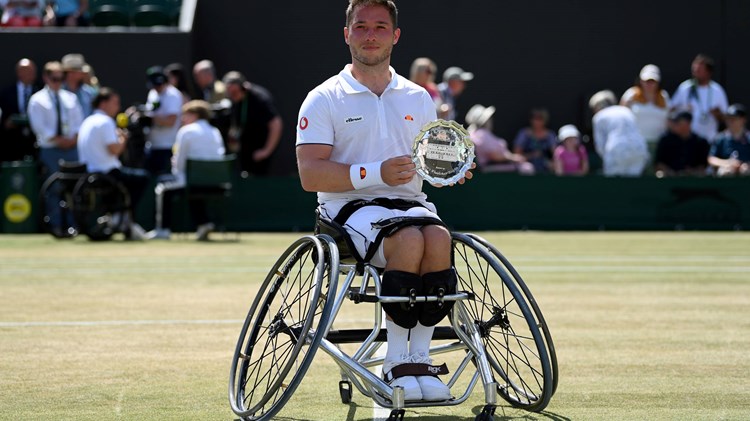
x=165, y=104
x=650, y=104
x=680, y=151
x=100, y=143
x=570, y=157
x=453, y=85
x=703, y=97
x=616, y=136
x=730, y=153
x=17, y=138
x=210, y=89
x=67, y=13
x=22, y=13
x=55, y=117
x=422, y=73
x=176, y=75
x=73, y=66
x=537, y=142
x=491, y=151
x=89, y=76
x=196, y=139
x=255, y=128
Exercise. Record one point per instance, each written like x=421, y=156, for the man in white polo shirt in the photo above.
x=165, y=103
x=354, y=141
x=100, y=144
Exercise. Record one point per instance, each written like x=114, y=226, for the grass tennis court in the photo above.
x=647, y=326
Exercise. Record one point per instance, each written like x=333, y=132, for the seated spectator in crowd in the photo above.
x=196, y=139
x=680, y=151
x=650, y=104
x=176, y=77
x=100, y=144
x=22, y=13
x=492, y=152
x=730, y=152
x=422, y=73
x=17, y=138
x=67, y=13
x=73, y=66
x=209, y=89
x=452, y=86
x=255, y=128
x=703, y=98
x=616, y=137
x=536, y=142
x=570, y=156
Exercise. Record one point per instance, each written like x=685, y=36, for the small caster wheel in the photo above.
x=487, y=413
x=345, y=390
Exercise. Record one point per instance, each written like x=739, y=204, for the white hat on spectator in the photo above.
x=568, y=130
x=478, y=115
x=650, y=72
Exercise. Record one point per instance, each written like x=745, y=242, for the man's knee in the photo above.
x=406, y=245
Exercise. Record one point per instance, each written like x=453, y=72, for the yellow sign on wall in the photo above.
x=17, y=208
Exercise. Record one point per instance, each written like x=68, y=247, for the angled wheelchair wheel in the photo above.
x=280, y=335
x=56, y=202
x=517, y=344
x=100, y=203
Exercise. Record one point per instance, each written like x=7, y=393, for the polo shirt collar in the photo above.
x=352, y=85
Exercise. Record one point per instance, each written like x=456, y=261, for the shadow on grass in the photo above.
x=427, y=414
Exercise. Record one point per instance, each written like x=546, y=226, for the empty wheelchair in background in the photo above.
x=496, y=327
x=76, y=202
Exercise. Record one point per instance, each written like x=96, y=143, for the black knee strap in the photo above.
x=438, y=283
x=396, y=283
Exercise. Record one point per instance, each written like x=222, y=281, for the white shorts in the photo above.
x=360, y=228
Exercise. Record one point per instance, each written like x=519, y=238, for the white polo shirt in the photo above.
x=198, y=140
x=97, y=132
x=363, y=127
x=700, y=100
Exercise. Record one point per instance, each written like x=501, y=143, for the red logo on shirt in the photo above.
x=409, y=117
x=362, y=173
x=303, y=123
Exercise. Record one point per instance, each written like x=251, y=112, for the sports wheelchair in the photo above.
x=94, y=204
x=495, y=325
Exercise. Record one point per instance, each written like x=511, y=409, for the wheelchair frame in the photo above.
x=500, y=329
x=88, y=202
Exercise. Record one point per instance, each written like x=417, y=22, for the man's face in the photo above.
x=234, y=92
x=700, y=71
x=736, y=123
x=682, y=128
x=457, y=86
x=203, y=78
x=26, y=73
x=54, y=80
x=371, y=35
x=112, y=106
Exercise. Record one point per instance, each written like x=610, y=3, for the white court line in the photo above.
x=97, y=323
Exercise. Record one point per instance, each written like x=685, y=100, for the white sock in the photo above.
x=421, y=336
x=398, y=341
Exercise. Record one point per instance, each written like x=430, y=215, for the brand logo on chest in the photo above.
x=356, y=119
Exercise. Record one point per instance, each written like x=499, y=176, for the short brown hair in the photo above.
x=103, y=95
x=198, y=107
x=388, y=4
x=52, y=67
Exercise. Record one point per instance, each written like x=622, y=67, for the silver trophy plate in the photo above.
x=443, y=152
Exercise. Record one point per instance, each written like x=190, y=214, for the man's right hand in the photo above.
x=398, y=170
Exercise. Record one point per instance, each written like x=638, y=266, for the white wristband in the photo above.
x=365, y=175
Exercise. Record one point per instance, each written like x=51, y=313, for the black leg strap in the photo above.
x=397, y=283
x=415, y=369
x=439, y=284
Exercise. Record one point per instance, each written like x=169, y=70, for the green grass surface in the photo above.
x=647, y=326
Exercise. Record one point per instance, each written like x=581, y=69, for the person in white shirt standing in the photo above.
x=55, y=117
x=100, y=144
x=703, y=98
x=196, y=139
x=165, y=104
